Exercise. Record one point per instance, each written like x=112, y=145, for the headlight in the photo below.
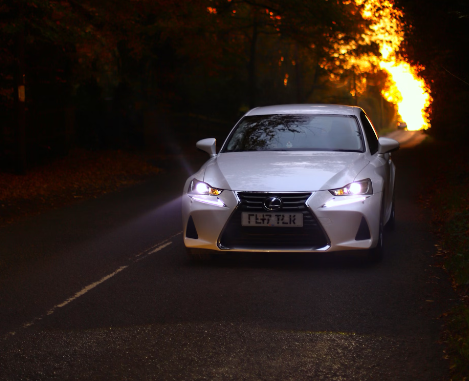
x=199, y=187
x=355, y=188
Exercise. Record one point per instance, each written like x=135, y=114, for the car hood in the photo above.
x=283, y=171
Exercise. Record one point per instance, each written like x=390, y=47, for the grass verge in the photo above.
x=448, y=174
x=458, y=342
x=455, y=235
x=80, y=175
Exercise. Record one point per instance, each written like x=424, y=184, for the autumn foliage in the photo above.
x=100, y=66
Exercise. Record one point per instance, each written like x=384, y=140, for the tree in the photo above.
x=50, y=47
x=436, y=33
x=280, y=50
x=207, y=57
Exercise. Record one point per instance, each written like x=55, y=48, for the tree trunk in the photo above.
x=354, y=89
x=314, y=84
x=382, y=112
x=20, y=108
x=298, y=79
x=252, y=93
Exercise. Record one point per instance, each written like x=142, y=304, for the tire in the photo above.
x=375, y=255
x=391, y=225
x=198, y=255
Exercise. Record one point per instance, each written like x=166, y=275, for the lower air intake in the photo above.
x=363, y=231
x=191, y=231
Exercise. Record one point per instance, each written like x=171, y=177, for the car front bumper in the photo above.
x=339, y=218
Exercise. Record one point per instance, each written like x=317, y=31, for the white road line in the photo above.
x=175, y=235
x=152, y=250
x=159, y=248
x=85, y=290
x=147, y=251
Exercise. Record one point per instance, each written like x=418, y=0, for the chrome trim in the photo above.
x=271, y=206
x=325, y=248
x=237, y=197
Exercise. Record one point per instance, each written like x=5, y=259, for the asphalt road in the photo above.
x=103, y=290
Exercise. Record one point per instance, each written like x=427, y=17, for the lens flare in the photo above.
x=405, y=89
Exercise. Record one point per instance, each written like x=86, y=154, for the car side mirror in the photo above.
x=208, y=145
x=387, y=145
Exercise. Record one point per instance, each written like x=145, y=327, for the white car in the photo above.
x=292, y=178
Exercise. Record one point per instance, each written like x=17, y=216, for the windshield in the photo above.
x=295, y=133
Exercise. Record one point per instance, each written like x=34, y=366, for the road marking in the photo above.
x=153, y=251
x=147, y=251
x=144, y=254
x=85, y=290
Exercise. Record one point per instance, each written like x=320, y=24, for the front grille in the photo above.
x=310, y=236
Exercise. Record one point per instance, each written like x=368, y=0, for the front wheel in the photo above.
x=375, y=255
x=391, y=225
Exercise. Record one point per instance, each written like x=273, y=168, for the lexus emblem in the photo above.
x=272, y=203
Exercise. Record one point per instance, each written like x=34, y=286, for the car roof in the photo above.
x=306, y=109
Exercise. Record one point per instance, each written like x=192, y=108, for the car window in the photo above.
x=371, y=136
x=296, y=133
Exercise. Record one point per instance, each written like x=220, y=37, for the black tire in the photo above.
x=198, y=255
x=375, y=255
x=391, y=225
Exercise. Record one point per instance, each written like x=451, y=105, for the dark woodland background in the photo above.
x=154, y=73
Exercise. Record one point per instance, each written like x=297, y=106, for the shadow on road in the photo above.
x=288, y=261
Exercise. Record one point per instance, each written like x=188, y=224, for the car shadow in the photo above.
x=293, y=261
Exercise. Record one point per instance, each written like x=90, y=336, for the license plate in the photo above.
x=293, y=220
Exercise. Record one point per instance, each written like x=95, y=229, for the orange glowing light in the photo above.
x=405, y=88
x=413, y=96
